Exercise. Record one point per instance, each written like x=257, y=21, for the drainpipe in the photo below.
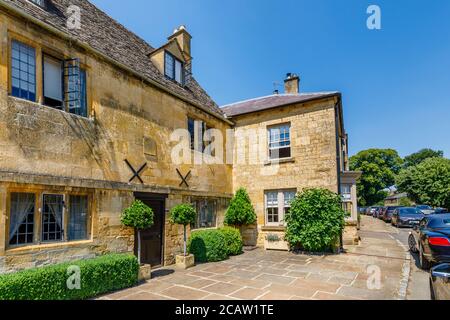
x=338, y=162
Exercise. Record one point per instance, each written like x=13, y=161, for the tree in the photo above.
x=427, y=182
x=138, y=216
x=241, y=211
x=420, y=156
x=315, y=220
x=183, y=214
x=379, y=168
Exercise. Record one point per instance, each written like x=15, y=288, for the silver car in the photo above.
x=440, y=282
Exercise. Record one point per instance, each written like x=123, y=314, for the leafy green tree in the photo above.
x=316, y=220
x=138, y=216
x=183, y=214
x=427, y=182
x=420, y=156
x=379, y=168
x=241, y=211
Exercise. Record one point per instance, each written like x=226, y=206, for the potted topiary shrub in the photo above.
x=241, y=214
x=184, y=214
x=140, y=217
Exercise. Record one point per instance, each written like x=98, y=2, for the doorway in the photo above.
x=152, y=239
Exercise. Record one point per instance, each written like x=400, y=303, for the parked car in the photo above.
x=373, y=211
x=362, y=210
x=440, y=282
x=426, y=209
x=378, y=212
x=382, y=213
x=431, y=239
x=387, y=216
x=440, y=211
x=406, y=217
x=369, y=211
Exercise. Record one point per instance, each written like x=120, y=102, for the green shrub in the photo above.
x=183, y=214
x=138, y=215
x=233, y=240
x=315, y=220
x=100, y=275
x=208, y=245
x=241, y=211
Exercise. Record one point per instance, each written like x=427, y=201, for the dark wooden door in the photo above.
x=152, y=238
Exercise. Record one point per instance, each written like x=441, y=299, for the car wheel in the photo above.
x=412, y=244
x=424, y=263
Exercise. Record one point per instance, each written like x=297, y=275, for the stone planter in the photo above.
x=185, y=262
x=279, y=245
x=145, y=272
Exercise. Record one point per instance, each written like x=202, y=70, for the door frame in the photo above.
x=162, y=198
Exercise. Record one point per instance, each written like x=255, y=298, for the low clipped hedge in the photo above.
x=208, y=245
x=233, y=240
x=98, y=276
x=214, y=245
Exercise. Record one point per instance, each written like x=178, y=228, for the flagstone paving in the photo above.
x=274, y=275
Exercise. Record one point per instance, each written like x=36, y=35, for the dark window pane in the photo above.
x=21, y=228
x=78, y=218
x=52, y=215
x=23, y=75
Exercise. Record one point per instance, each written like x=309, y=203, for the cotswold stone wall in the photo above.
x=127, y=119
x=313, y=147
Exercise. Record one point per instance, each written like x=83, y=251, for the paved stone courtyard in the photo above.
x=273, y=275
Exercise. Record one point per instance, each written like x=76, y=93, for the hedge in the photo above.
x=99, y=275
x=208, y=245
x=233, y=240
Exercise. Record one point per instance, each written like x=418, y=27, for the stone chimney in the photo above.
x=292, y=84
x=184, y=40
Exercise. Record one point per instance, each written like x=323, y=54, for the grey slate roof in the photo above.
x=109, y=37
x=273, y=101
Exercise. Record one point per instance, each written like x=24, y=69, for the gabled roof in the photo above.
x=273, y=101
x=113, y=40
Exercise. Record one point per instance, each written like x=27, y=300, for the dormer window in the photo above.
x=40, y=3
x=173, y=68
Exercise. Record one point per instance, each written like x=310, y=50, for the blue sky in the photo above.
x=395, y=81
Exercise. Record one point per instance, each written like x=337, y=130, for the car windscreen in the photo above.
x=410, y=211
x=439, y=223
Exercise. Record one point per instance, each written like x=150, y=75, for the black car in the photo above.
x=387, y=214
x=440, y=282
x=406, y=217
x=431, y=239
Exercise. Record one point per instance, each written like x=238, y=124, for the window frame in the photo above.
x=8, y=224
x=22, y=42
x=63, y=218
x=40, y=51
x=172, y=76
x=63, y=84
x=38, y=217
x=269, y=141
x=280, y=206
x=196, y=202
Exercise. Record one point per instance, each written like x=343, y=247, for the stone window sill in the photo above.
x=279, y=161
x=273, y=229
x=45, y=246
x=36, y=104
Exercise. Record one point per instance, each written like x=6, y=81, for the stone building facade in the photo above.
x=301, y=143
x=51, y=155
x=87, y=123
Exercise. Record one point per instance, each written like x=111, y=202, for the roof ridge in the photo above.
x=278, y=95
